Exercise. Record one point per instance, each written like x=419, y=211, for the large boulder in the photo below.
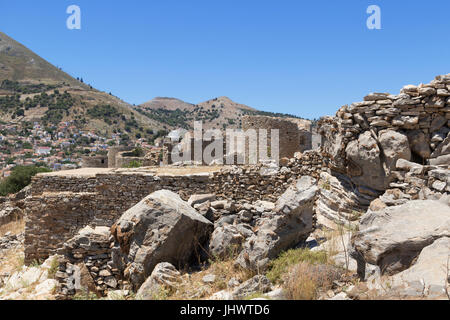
x=160, y=228
x=291, y=222
x=364, y=154
x=429, y=274
x=395, y=146
x=394, y=236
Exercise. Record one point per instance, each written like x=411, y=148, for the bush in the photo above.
x=304, y=281
x=133, y=164
x=281, y=265
x=20, y=178
x=137, y=152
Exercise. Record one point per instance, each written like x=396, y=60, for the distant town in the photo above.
x=58, y=147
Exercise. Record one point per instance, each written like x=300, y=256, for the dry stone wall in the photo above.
x=365, y=139
x=61, y=205
x=292, y=137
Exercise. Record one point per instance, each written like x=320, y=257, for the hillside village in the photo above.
x=59, y=147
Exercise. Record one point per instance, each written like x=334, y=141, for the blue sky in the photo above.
x=301, y=57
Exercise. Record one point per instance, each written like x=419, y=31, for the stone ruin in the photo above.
x=295, y=135
x=117, y=158
x=389, y=153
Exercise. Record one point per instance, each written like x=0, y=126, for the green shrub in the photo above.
x=291, y=257
x=133, y=164
x=137, y=152
x=20, y=178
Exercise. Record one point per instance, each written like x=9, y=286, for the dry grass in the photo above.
x=15, y=227
x=11, y=260
x=287, y=259
x=194, y=288
x=304, y=281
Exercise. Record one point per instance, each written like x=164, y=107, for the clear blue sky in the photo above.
x=302, y=57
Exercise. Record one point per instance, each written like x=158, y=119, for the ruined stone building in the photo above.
x=294, y=136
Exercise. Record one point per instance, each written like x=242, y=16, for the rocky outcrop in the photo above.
x=429, y=275
x=340, y=202
x=394, y=236
x=160, y=228
x=31, y=283
x=291, y=222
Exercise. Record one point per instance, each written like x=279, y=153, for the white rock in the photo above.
x=46, y=287
x=222, y=295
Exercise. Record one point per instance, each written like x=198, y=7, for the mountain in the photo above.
x=32, y=89
x=218, y=113
x=18, y=63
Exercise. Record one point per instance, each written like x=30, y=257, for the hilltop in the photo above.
x=32, y=89
x=217, y=113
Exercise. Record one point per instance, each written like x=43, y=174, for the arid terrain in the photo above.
x=361, y=212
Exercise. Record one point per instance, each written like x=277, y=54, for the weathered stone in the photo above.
x=290, y=224
x=441, y=160
x=406, y=165
x=426, y=278
x=365, y=153
x=209, y=278
x=226, y=241
x=395, y=146
x=163, y=277
x=437, y=123
x=258, y=283
x=419, y=143
x=200, y=198
x=161, y=228
x=384, y=240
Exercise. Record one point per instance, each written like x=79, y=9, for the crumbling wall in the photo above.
x=61, y=205
x=365, y=138
x=95, y=162
x=293, y=135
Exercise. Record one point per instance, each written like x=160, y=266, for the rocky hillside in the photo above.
x=218, y=113
x=31, y=89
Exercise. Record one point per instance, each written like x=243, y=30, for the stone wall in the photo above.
x=365, y=139
x=293, y=135
x=71, y=202
x=95, y=162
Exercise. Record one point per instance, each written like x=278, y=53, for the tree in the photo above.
x=20, y=178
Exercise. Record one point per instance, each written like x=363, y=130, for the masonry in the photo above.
x=63, y=203
x=294, y=134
